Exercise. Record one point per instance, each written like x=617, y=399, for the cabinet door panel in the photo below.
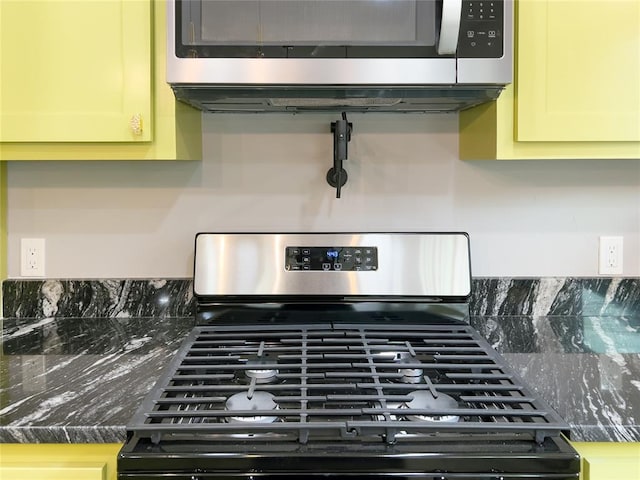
x=609, y=460
x=64, y=461
x=55, y=472
x=578, y=73
x=75, y=71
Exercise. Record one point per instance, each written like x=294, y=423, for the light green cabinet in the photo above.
x=86, y=81
x=59, y=461
x=75, y=71
x=609, y=460
x=576, y=92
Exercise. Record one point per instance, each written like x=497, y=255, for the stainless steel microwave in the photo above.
x=357, y=55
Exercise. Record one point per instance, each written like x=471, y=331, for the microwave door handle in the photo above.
x=449, y=27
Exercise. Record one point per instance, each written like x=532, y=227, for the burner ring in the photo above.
x=261, y=369
x=424, y=400
x=261, y=373
x=260, y=401
x=410, y=374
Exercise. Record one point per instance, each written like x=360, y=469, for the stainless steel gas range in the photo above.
x=344, y=356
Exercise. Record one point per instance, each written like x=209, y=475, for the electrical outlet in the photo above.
x=32, y=257
x=610, y=255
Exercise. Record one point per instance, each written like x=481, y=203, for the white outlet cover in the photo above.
x=610, y=256
x=32, y=257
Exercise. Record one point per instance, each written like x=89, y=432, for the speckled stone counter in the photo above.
x=79, y=355
x=586, y=368
x=81, y=379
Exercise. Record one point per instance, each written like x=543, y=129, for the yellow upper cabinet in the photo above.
x=75, y=71
x=83, y=80
x=579, y=71
x=576, y=92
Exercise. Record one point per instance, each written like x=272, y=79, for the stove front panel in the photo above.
x=481, y=459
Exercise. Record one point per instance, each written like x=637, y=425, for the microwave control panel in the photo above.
x=481, y=29
x=331, y=259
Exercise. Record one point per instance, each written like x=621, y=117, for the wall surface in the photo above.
x=267, y=173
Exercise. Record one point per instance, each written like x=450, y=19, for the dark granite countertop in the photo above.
x=81, y=379
x=585, y=368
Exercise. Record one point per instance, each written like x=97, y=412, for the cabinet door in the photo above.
x=58, y=461
x=609, y=460
x=578, y=70
x=53, y=471
x=75, y=71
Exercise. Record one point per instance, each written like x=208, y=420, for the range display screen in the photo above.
x=342, y=259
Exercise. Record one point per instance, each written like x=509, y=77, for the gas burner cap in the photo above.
x=411, y=378
x=424, y=400
x=261, y=374
x=411, y=374
x=258, y=372
x=260, y=401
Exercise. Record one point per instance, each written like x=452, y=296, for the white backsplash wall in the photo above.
x=267, y=173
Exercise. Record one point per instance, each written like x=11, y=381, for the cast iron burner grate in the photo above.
x=340, y=381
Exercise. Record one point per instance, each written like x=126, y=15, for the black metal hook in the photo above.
x=337, y=176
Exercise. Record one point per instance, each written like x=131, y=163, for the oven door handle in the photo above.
x=449, y=27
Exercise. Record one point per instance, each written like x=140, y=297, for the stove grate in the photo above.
x=347, y=381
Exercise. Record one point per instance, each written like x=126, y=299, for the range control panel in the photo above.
x=344, y=259
x=481, y=29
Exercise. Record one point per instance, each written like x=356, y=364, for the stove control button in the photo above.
x=326, y=266
x=337, y=266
